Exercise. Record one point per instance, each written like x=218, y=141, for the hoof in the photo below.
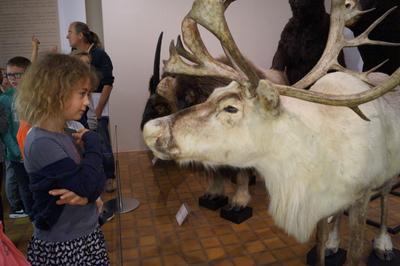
x=381, y=259
x=331, y=251
x=385, y=255
x=337, y=259
x=208, y=196
x=235, y=208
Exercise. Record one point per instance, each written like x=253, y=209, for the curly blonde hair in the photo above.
x=48, y=84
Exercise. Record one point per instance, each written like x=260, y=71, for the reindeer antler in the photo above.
x=352, y=101
x=209, y=14
x=336, y=42
x=340, y=16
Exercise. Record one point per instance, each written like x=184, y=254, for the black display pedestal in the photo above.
x=236, y=216
x=337, y=259
x=373, y=260
x=213, y=204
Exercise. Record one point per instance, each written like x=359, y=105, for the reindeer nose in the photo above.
x=158, y=137
x=152, y=131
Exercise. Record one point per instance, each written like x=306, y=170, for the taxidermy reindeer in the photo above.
x=317, y=156
x=180, y=91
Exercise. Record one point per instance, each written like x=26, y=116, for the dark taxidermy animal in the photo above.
x=388, y=30
x=303, y=39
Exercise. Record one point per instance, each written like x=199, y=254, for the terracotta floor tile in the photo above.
x=168, y=248
x=152, y=262
x=240, y=227
x=247, y=236
x=174, y=260
x=229, y=239
x=301, y=250
x=254, y=247
x=204, y=232
x=130, y=263
x=187, y=235
x=149, y=251
x=147, y=240
x=235, y=250
x=129, y=243
x=165, y=228
x=195, y=257
x=130, y=254
x=210, y=242
x=295, y=262
x=145, y=230
x=243, y=261
x=283, y=254
x=274, y=243
x=215, y=253
x=265, y=233
x=190, y=245
x=224, y=262
x=129, y=234
x=264, y=258
x=162, y=219
x=222, y=230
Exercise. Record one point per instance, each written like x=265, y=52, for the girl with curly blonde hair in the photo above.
x=66, y=172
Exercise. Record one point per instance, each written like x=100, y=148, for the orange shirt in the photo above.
x=21, y=135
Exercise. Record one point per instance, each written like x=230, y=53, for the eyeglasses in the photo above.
x=16, y=75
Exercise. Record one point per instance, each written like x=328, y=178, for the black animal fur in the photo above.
x=388, y=30
x=303, y=39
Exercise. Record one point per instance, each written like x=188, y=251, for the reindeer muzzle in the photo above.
x=158, y=137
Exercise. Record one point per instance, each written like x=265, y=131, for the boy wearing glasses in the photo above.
x=18, y=182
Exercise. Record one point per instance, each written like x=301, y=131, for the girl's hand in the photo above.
x=78, y=136
x=99, y=204
x=68, y=197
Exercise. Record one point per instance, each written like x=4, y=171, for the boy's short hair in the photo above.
x=19, y=61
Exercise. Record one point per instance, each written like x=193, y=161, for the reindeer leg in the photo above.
x=357, y=218
x=383, y=246
x=332, y=245
x=242, y=195
x=214, y=197
x=322, y=236
x=215, y=188
x=238, y=211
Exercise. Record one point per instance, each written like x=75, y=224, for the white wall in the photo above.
x=131, y=28
x=69, y=11
x=94, y=17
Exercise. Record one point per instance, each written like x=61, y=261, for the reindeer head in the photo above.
x=226, y=128
x=194, y=134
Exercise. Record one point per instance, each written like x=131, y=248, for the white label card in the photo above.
x=182, y=214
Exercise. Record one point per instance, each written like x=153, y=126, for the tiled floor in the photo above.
x=150, y=235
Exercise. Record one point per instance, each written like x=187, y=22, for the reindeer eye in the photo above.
x=230, y=109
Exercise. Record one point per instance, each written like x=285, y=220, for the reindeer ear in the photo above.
x=166, y=87
x=267, y=95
